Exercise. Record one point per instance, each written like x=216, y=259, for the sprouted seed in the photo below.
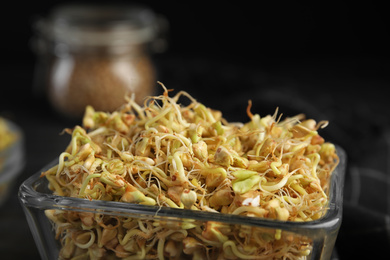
x=169, y=155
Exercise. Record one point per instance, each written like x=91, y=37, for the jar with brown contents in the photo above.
x=95, y=55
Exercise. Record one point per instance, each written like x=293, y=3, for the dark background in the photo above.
x=329, y=60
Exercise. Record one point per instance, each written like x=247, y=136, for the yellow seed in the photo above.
x=259, y=167
x=171, y=249
x=221, y=198
x=188, y=198
x=214, y=176
x=200, y=150
x=223, y=157
x=310, y=124
x=278, y=234
x=190, y=244
x=282, y=213
x=239, y=161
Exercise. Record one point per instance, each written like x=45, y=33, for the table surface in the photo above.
x=349, y=93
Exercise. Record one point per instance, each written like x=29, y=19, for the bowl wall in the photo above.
x=119, y=230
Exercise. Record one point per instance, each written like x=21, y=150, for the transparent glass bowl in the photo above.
x=132, y=222
x=12, y=161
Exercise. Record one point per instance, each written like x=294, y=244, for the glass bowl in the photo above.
x=175, y=233
x=11, y=160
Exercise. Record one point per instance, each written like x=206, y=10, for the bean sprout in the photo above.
x=170, y=155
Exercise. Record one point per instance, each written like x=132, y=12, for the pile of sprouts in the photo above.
x=165, y=154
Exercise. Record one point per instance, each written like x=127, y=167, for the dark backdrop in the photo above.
x=250, y=31
x=328, y=59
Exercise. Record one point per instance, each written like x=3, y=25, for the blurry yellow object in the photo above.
x=11, y=156
x=7, y=137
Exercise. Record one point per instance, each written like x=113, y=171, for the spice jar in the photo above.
x=96, y=55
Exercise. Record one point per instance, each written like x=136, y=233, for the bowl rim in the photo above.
x=30, y=198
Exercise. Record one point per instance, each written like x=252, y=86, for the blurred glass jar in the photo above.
x=96, y=55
